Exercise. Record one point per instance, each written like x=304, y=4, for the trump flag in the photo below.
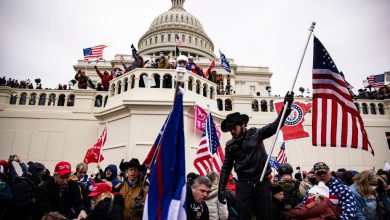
x=293, y=127
x=94, y=154
x=167, y=190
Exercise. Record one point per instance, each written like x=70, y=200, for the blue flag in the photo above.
x=274, y=163
x=224, y=62
x=167, y=190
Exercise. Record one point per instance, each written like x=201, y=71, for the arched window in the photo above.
x=156, y=79
x=219, y=104
x=13, y=98
x=132, y=81
x=190, y=39
x=52, y=99
x=142, y=79
x=357, y=105
x=162, y=38
x=373, y=109
x=169, y=38
x=105, y=100
x=364, y=109
x=263, y=104
x=42, y=99
x=23, y=99
x=167, y=81
x=119, y=87
x=98, y=101
x=212, y=92
x=381, y=109
x=33, y=99
x=70, y=101
x=255, y=105
x=198, y=87
x=112, y=89
x=61, y=100
x=183, y=38
x=190, y=81
x=155, y=39
x=271, y=106
x=205, y=90
x=126, y=84
x=228, y=105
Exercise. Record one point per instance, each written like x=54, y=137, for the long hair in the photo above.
x=362, y=181
x=214, y=177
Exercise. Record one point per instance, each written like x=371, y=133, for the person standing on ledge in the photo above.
x=246, y=152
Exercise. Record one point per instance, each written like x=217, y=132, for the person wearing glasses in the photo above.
x=132, y=190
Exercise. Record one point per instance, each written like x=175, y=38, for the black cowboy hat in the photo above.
x=232, y=120
x=133, y=163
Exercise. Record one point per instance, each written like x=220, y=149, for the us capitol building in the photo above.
x=53, y=125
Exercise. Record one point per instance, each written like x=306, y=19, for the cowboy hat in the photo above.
x=232, y=120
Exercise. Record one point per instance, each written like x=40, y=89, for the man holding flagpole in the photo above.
x=246, y=152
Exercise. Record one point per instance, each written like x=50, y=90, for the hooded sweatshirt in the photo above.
x=114, y=176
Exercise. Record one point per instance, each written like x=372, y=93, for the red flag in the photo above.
x=209, y=156
x=335, y=121
x=93, y=154
x=212, y=65
x=293, y=127
x=200, y=120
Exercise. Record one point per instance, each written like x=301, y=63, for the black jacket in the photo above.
x=195, y=210
x=108, y=209
x=48, y=199
x=247, y=153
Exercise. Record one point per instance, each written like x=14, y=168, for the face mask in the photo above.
x=313, y=181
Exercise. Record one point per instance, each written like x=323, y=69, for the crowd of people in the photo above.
x=380, y=94
x=22, y=84
x=120, y=193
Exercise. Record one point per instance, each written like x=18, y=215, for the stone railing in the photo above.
x=145, y=78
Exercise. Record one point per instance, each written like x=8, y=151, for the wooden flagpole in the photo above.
x=311, y=29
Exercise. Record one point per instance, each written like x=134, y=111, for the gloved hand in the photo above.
x=289, y=98
x=221, y=196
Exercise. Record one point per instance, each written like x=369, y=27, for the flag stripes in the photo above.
x=336, y=121
x=93, y=52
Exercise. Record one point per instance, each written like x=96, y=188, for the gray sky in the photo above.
x=44, y=38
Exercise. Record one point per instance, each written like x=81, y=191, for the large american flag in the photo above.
x=209, y=156
x=335, y=121
x=282, y=157
x=93, y=52
x=377, y=81
x=179, y=43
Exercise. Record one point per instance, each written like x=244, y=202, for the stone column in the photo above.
x=5, y=96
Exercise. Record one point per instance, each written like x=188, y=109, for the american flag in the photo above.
x=377, y=81
x=349, y=86
x=335, y=121
x=179, y=43
x=93, y=52
x=209, y=156
x=282, y=157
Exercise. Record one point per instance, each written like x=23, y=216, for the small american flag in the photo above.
x=93, y=52
x=335, y=121
x=349, y=86
x=179, y=43
x=377, y=81
x=209, y=156
x=282, y=157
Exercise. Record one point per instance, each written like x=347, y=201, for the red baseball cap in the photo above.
x=99, y=188
x=62, y=168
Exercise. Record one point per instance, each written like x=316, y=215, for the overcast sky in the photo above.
x=44, y=38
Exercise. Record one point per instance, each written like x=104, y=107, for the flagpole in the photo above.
x=196, y=116
x=311, y=29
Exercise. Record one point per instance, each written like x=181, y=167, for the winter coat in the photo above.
x=163, y=63
x=105, y=79
x=365, y=207
x=82, y=80
x=48, y=199
x=108, y=209
x=217, y=210
x=276, y=209
x=5, y=197
x=23, y=190
x=114, y=176
x=129, y=193
x=311, y=210
x=340, y=194
x=247, y=153
x=194, y=210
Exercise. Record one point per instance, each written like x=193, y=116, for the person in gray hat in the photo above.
x=246, y=152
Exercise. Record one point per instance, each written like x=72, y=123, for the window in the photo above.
x=228, y=105
x=169, y=37
x=155, y=39
x=196, y=41
x=183, y=38
x=381, y=109
x=255, y=105
x=271, y=106
x=219, y=104
x=23, y=99
x=364, y=109
x=373, y=109
x=189, y=39
x=357, y=107
x=264, y=106
x=162, y=38
x=32, y=99
x=70, y=100
x=61, y=100
x=252, y=89
x=98, y=101
x=150, y=41
x=42, y=99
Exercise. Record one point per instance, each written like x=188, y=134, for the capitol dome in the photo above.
x=162, y=33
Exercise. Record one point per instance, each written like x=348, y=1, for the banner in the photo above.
x=293, y=127
x=200, y=120
x=93, y=154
